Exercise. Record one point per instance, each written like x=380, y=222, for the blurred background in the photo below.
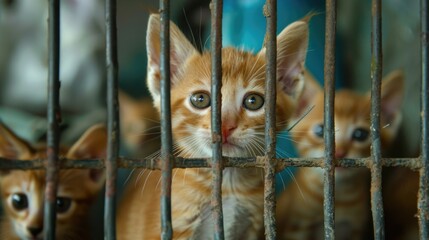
x=24, y=62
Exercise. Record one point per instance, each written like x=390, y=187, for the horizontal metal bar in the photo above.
x=178, y=162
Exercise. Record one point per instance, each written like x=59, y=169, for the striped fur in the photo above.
x=243, y=73
x=300, y=206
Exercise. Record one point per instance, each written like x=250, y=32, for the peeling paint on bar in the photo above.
x=423, y=202
x=329, y=132
x=270, y=13
x=54, y=119
x=216, y=7
x=376, y=75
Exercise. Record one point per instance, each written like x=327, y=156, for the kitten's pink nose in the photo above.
x=340, y=153
x=226, y=131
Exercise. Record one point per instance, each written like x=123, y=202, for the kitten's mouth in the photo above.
x=231, y=150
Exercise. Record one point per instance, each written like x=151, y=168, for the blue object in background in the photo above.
x=244, y=25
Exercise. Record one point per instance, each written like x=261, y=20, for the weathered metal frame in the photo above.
x=54, y=119
x=329, y=124
x=269, y=162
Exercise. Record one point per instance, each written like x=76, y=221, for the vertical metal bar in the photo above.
x=112, y=120
x=166, y=132
x=423, y=204
x=329, y=124
x=376, y=75
x=270, y=12
x=216, y=121
x=54, y=118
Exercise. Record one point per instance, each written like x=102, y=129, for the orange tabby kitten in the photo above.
x=140, y=125
x=22, y=192
x=243, y=79
x=300, y=207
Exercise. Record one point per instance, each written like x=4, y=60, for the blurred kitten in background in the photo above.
x=140, y=125
x=22, y=191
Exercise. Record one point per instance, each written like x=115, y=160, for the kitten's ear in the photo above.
x=180, y=50
x=12, y=146
x=92, y=144
x=310, y=90
x=292, y=45
x=392, y=94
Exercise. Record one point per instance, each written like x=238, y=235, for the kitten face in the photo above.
x=352, y=122
x=243, y=86
x=24, y=201
x=22, y=192
x=242, y=106
x=351, y=127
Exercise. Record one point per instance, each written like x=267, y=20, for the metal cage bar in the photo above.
x=112, y=120
x=423, y=195
x=376, y=166
x=166, y=131
x=329, y=124
x=179, y=162
x=216, y=119
x=270, y=12
x=54, y=118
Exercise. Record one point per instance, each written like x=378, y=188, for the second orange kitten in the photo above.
x=300, y=206
x=22, y=191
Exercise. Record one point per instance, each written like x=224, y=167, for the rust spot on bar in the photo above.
x=216, y=138
x=50, y=192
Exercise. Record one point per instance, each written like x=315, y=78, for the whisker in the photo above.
x=129, y=177
x=302, y=117
x=297, y=184
x=283, y=182
x=189, y=27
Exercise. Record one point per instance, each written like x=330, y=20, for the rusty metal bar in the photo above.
x=54, y=119
x=112, y=120
x=166, y=131
x=179, y=162
x=423, y=196
x=216, y=118
x=376, y=75
x=329, y=124
x=270, y=12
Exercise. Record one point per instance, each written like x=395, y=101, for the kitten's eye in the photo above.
x=318, y=130
x=63, y=204
x=253, y=101
x=19, y=201
x=360, y=134
x=200, y=100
